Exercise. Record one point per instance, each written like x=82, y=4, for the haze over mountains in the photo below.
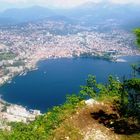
x=86, y=14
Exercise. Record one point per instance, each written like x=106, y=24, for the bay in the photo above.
x=55, y=78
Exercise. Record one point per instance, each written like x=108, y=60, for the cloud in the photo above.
x=57, y=3
x=125, y=1
x=60, y=3
x=13, y=1
x=51, y=3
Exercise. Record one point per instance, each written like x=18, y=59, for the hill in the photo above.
x=109, y=114
x=27, y=14
x=88, y=14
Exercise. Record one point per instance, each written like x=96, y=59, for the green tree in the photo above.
x=137, y=33
x=90, y=89
x=134, y=70
x=132, y=87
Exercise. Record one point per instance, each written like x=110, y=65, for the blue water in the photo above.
x=48, y=86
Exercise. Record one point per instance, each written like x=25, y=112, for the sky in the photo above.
x=4, y=4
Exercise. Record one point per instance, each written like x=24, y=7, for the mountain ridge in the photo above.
x=89, y=13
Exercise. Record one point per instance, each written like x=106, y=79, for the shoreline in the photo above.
x=35, y=67
x=15, y=113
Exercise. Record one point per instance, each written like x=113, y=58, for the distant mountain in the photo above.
x=7, y=21
x=107, y=9
x=91, y=13
x=27, y=14
x=88, y=14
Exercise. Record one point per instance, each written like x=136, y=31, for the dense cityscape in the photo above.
x=22, y=46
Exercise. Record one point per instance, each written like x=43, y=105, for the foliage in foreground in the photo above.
x=125, y=95
x=137, y=33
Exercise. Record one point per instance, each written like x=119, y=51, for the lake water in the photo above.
x=48, y=86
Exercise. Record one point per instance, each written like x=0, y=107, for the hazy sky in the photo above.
x=54, y=3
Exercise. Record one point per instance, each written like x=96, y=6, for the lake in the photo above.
x=54, y=79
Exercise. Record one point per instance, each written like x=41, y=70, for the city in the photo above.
x=22, y=46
